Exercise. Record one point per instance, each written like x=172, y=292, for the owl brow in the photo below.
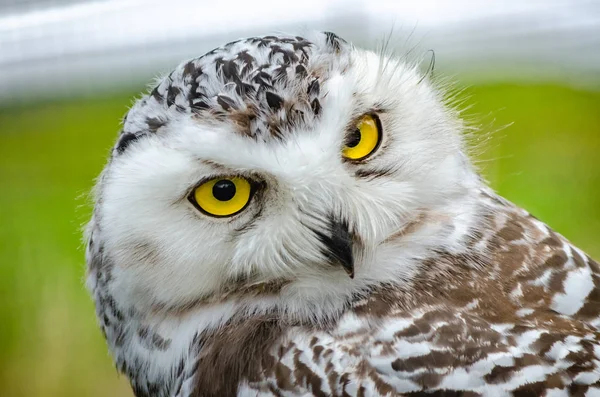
x=360, y=113
x=219, y=170
x=212, y=164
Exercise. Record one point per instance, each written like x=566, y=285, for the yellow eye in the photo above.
x=364, y=139
x=222, y=196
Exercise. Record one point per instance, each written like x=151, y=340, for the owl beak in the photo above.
x=337, y=244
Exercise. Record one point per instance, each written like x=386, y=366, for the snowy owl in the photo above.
x=290, y=216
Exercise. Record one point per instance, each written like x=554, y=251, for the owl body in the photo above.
x=295, y=216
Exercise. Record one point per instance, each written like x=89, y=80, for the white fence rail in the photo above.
x=76, y=47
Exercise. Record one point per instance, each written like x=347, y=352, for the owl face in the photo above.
x=291, y=164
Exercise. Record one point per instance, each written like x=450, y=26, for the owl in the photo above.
x=293, y=216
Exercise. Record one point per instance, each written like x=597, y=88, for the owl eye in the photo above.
x=221, y=197
x=364, y=140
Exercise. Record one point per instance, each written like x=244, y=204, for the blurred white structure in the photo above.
x=51, y=48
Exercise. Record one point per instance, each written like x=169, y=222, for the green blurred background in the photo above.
x=544, y=157
x=537, y=108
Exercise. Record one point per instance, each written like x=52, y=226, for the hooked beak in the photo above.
x=337, y=244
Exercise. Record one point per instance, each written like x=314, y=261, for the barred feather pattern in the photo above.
x=517, y=314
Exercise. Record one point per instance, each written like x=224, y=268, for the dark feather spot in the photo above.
x=260, y=41
x=314, y=88
x=301, y=45
x=274, y=101
x=154, y=124
x=245, y=57
x=230, y=71
x=126, y=140
x=301, y=71
x=155, y=94
x=199, y=105
x=263, y=79
x=226, y=102
x=189, y=68
x=194, y=75
x=171, y=95
x=316, y=107
x=334, y=40
x=242, y=88
x=247, y=62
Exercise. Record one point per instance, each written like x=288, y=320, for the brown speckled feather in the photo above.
x=499, y=319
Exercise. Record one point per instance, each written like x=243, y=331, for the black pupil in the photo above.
x=223, y=190
x=353, y=139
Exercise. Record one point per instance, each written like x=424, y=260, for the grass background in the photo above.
x=546, y=160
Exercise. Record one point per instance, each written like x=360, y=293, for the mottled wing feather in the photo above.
x=516, y=315
x=435, y=350
x=542, y=273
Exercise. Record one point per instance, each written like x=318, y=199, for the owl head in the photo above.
x=280, y=171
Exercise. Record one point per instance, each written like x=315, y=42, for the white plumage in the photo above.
x=292, y=216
